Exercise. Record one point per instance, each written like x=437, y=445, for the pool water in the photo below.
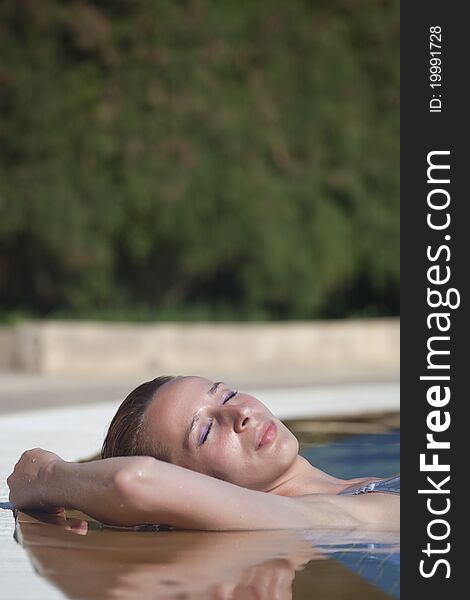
x=86, y=560
x=375, y=455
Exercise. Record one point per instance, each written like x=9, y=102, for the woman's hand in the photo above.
x=28, y=481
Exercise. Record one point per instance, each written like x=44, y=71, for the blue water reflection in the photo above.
x=357, y=456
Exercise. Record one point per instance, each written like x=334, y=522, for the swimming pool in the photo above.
x=85, y=560
x=356, y=456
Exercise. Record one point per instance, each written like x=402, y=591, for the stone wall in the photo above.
x=114, y=349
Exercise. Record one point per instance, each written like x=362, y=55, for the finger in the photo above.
x=78, y=526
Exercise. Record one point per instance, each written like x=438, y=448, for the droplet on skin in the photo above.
x=139, y=473
x=33, y=460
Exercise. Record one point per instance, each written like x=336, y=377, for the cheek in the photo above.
x=225, y=461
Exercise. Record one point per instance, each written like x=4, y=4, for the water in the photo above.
x=375, y=455
x=356, y=456
x=85, y=560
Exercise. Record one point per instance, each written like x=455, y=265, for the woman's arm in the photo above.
x=41, y=480
x=133, y=490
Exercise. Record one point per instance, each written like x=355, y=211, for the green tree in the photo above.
x=199, y=159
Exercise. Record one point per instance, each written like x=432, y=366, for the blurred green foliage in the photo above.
x=162, y=159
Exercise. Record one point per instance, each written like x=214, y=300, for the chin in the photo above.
x=289, y=445
x=288, y=451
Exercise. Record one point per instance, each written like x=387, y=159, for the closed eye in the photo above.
x=229, y=396
x=205, y=433
x=206, y=430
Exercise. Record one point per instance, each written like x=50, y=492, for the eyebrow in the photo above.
x=215, y=387
x=196, y=417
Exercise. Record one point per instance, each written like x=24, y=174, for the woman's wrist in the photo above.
x=51, y=483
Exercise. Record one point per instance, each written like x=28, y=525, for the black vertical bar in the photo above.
x=422, y=132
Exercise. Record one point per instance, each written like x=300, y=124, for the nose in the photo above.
x=242, y=419
x=238, y=416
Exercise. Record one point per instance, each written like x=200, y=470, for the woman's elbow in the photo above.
x=129, y=477
x=129, y=484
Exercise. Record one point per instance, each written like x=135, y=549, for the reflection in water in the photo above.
x=85, y=561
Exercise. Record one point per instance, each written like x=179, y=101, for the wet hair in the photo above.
x=125, y=433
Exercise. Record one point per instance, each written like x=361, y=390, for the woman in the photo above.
x=195, y=454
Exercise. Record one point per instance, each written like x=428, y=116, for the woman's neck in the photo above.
x=302, y=479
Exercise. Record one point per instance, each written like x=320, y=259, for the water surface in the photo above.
x=86, y=560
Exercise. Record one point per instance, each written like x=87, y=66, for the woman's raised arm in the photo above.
x=41, y=480
x=134, y=490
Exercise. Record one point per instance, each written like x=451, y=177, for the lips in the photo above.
x=266, y=435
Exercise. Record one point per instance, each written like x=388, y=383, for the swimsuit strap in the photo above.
x=390, y=485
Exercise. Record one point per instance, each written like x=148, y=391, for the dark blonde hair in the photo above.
x=125, y=433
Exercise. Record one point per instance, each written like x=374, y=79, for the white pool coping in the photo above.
x=77, y=431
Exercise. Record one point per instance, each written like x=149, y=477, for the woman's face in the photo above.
x=210, y=428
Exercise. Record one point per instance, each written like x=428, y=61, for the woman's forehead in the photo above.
x=176, y=401
x=186, y=387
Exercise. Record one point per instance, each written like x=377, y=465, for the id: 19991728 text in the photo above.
x=435, y=68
